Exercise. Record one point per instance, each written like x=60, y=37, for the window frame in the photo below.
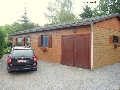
x=49, y=40
x=19, y=42
x=44, y=40
x=115, y=39
x=26, y=41
x=111, y=39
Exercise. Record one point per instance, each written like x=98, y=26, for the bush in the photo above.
x=2, y=42
x=8, y=43
x=8, y=46
x=6, y=50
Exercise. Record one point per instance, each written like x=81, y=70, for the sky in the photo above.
x=12, y=10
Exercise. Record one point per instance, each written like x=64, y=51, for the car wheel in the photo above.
x=8, y=69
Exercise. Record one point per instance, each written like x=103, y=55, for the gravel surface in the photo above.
x=52, y=76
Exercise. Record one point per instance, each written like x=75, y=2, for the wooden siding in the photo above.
x=54, y=53
x=103, y=51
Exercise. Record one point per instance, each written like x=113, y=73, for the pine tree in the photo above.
x=25, y=23
x=24, y=18
x=88, y=13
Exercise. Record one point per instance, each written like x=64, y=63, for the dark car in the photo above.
x=21, y=58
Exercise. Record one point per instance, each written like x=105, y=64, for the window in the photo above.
x=19, y=42
x=27, y=41
x=44, y=41
x=22, y=53
x=115, y=39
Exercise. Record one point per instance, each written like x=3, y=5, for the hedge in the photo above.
x=2, y=42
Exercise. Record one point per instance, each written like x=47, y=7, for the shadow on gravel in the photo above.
x=21, y=72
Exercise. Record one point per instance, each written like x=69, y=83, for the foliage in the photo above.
x=8, y=43
x=24, y=23
x=9, y=29
x=105, y=7
x=115, y=6
x=24, y=26
x=2, y=41
x=6, y=50
x=88, y=13
x=60, y=11
x=24, y=18
x=16, y=27
x=109, y=6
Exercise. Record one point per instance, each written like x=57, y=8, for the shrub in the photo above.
x=6, y=50
x=2, y=42
x=7, y=46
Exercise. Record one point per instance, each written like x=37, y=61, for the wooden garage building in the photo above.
x=87, y=43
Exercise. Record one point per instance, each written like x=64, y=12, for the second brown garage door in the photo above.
x=76, y=51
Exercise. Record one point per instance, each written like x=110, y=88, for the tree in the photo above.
x=25, y=23
x=114, y=6
x=24, y=18
x=104, y=7
x=60, y=11
x=9, y=29
x=24, y=26
x=88, y=12
x=107, y=7
x=2, y=41
x=17, y=26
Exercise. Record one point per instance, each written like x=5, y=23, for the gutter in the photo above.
x=91, y=44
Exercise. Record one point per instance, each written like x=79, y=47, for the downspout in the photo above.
x=91, y=45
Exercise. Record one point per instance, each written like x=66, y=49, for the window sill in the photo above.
x=43, y=48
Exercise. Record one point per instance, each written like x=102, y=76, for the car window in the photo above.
x=22, y=53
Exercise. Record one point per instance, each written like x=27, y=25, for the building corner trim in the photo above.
x=91, y=45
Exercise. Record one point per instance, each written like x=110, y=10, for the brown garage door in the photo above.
x=67, y=50
x=76, y=51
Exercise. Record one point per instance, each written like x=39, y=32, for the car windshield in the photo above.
x=22, y=53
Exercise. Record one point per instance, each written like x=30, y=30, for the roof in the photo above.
x=80, y=22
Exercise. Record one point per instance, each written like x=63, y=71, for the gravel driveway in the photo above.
x=52, y=76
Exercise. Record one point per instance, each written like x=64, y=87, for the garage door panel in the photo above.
x=82, y=55
x=78, y=53
x=69, y=59
x=87, y=51
x=67, y=51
